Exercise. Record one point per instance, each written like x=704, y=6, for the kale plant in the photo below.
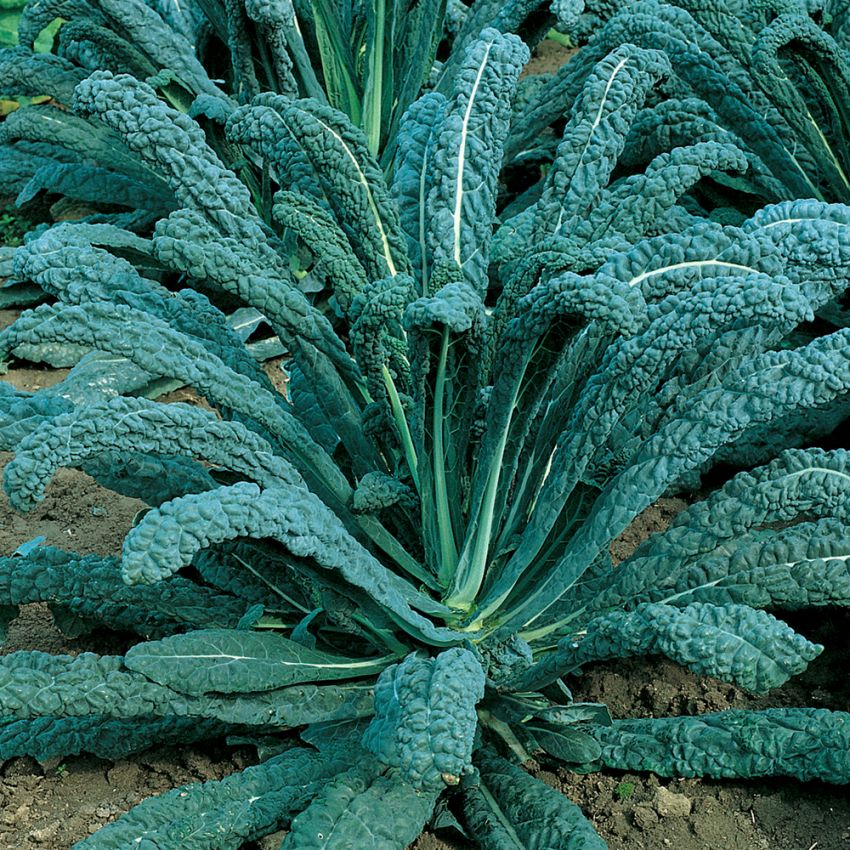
x=382, y=577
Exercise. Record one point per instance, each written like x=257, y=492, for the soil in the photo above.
x=548, y=57
x=54, y=804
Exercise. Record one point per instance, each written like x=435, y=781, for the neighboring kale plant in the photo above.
x=369, y=60
x=401, y=557
x=770, y=77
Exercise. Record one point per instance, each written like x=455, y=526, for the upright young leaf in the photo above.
x=595, y=136
x=417, y=32
x=413, y=178
x=468, y=156
x=649, y=356
x=770, y=386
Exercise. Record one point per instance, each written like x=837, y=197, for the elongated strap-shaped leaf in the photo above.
x=468, y=155
x=167, y=538
x=413, y=178
x=88, y=139
x=677, y=24
x=682, y=121
x=174, y=144
x=549, y=100
x=36, y=16
x=245, y=83
x=187, y=241
x=154, y=346
x=230, y=661
x=633, y=206
x=812, y=238
x=796, y=94
x=138, y=425
x=82, y=182
x=417, y=32
x=445, y=333
x=276, y=20
x=145, y=29
x=376, y=334
x=514, y=16
x=799, y=567
x=795, y=221
x=732, y=642
x=44, y=738
x=425, y=718
x=303, y=396
x=91, y=586
x=805, y=241
x=103, y=48
x=743, y=106
x=526, y=358
x=805, y=743
x=381, y=536
x=284, y=26
x=105, y=235
x=262, y=582
x=223, y=814
x=337, y=735
x=510, y=810
x=649, y=263
x=153, y=479
x=351, y=179
x=800, y=482
x=362, y=808
x=802, y=566
x=35, y=684
x=21, y=412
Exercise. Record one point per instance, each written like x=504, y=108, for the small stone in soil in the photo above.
x=669, y=804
